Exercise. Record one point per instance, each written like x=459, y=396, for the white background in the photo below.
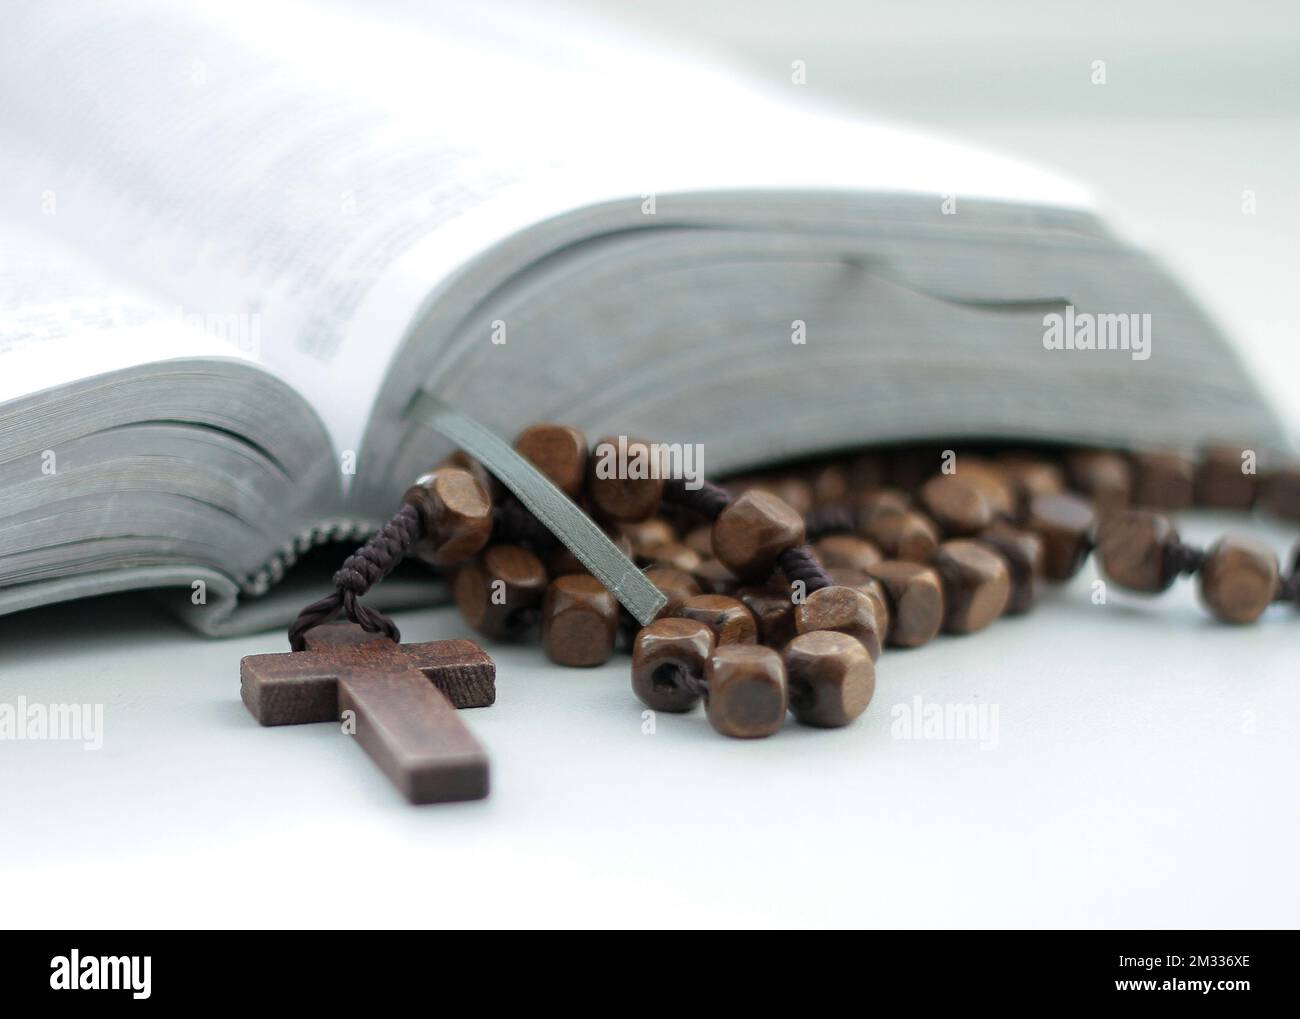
x=1146, y=762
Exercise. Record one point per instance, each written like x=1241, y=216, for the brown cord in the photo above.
x=359, y=573
x=800, y=564
x=1184, y=559
x=709, y=500
x=514, y=524
x=829, y=520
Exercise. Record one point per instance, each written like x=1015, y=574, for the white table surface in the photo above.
x=1145, y=772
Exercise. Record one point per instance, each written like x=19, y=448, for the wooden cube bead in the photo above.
x=846, y=550
x=1103, y=475
x=829, y=483
x=794, y=492
x=1280, y=492
x=1022, y=551
x=1222, y=481
x=1065, y=523
x=497, y=590
x=1031, y=476
x=915, y=595
x=579, y=621
x=843, y=609
x=678, y=556
x=992, y=479
x=728, y=618
x=455, y=512
x=747, y=695
x=1163, y=480
x=869, y=586
x=648, y=536
x=830, y=678
x=661, y=653
x=559, y=452
x=625, y=479
x=714, y=578
x=976, y=584
x=773, y=612
x=1239, y=579
x=907, y=535
x=462, y=460
x=957, y=504
x=676, y=584
x=881, y=502
x=1133, y=550
x=701, y=540
x=753, y=531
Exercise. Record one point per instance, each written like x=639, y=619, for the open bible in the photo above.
x=236, y=244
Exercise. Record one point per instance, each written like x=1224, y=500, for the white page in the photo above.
x=299, y=164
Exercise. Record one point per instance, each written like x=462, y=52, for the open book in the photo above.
x=235, y=244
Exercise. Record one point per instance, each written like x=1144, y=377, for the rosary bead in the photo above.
x=579, y=621
x=829, y=484
x=881, y=502
x=870, y=587
x=1022, y=551
x=1280, y=493
x=496, y=590
x=1104, y=476
x=559, y=452
x=1163, y=481
x=677, y=556
x=1221, y=482
x=773, y=611
x=830, y=677
x=1065, y=523
x=1030, y=477
x=957, y=504
x=753, y=531
x=714, y=578
x=663, y=651
x=648, y=536
x=915, y=601
x=844, y=609
x=747, y=690
x=846, y=550
x=1133, y=550
x=676, y=584
x=907, y=535
x=625, y=498
x=701, y=540
x=794, y=492
x=728, y=618
x=993, y=481
x=455, y=512
x=482, y=475
x=976, y=585
x=1239, y=579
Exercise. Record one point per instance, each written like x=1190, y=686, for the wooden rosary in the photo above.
x=783, y=588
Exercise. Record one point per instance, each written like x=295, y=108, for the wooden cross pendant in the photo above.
x=403, y=698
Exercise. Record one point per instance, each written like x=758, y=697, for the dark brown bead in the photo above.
x=1221, y=479
x=497, y=590
x=869, y=586
x=638, y=493
x=482, y=475
x=1030, y=476
x=957, y=504
x=908, y=535
x=794, y=492
x=1065, y=523
x=560, y=562
x=992, y=480
x=1022, y=551
x=976, y=584
x=677, y=556
x=1133, y=550
x=1163, y=480
x=1280, y=492
x=714, y=578
x=1239, y=579
x=676, y=584
x=881, y=501
x=830, y=484
x=830, y=677
x=701, y=540
x=846, y=550
x=663, y=651
x=728, y=618
x=915, y=595
x=648, y=536
x=773, y=611
x=455, y=512
x=753, y=531
x=1104, y=476
x=844, y=609
x=579, y=621
x=559, y=452
x=866, y=472
x=747, y=690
